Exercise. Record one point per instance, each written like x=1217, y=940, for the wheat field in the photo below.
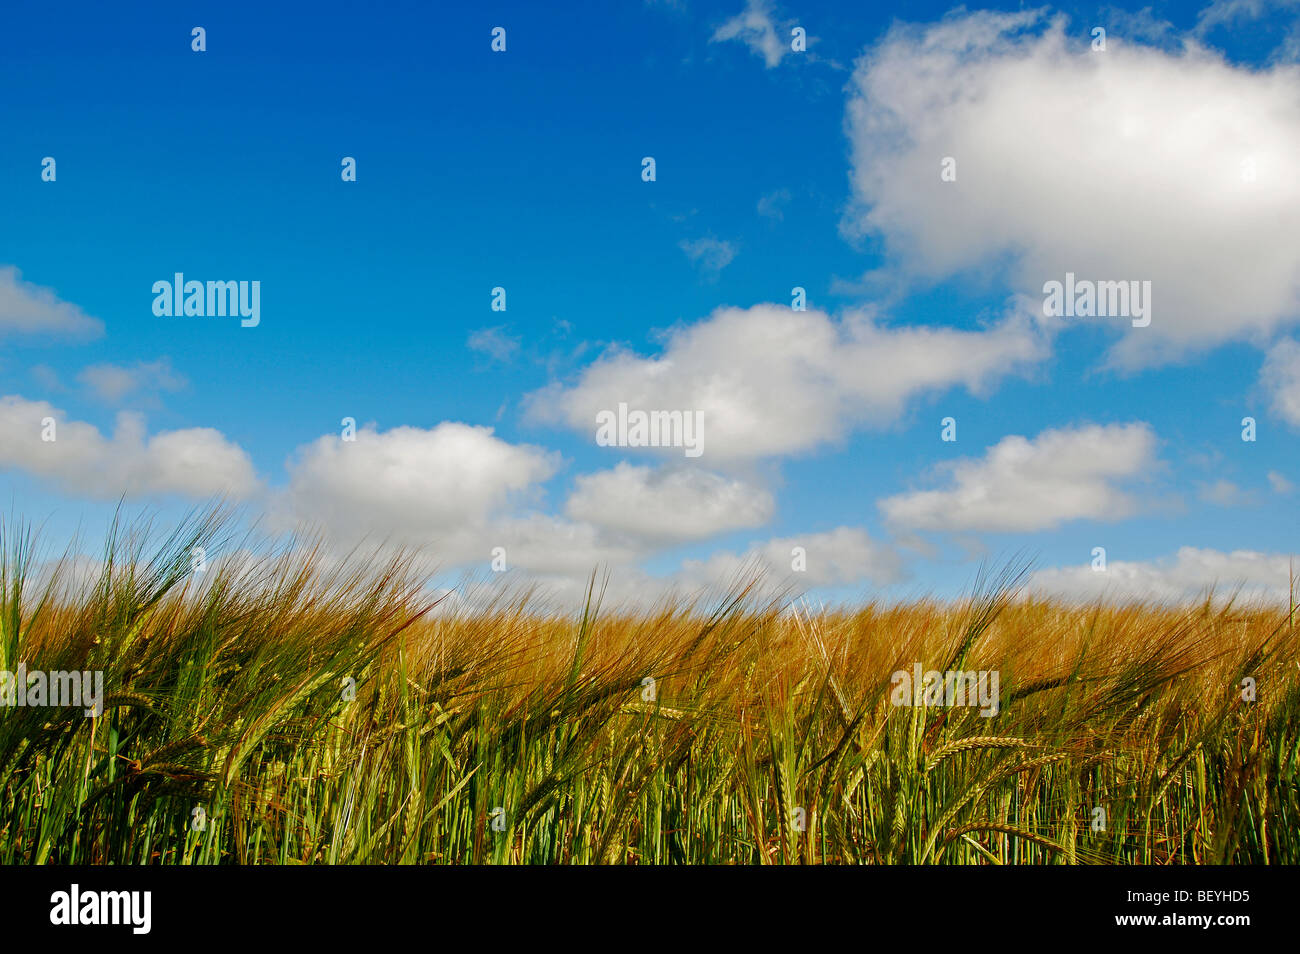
x=292, y=709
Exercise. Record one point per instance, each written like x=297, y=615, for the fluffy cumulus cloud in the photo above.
x=667, y=505
x=843, y=556
x=27, y=309
x=411, y=485
x=1026, y=485
x=556, y=549
x=1281, y=379
x=1133, y=163
x=770, y=381
x=458, y=495
x=1190, y=574
x=195, y=462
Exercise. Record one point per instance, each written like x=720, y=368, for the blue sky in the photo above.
x=775, y=168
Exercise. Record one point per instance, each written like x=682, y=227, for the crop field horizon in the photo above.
x=288, y=709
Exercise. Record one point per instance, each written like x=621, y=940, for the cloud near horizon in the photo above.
x=193, y=462
x=1190, y=574
x=1023, y=485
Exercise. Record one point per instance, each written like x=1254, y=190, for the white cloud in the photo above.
x=709, y=255
x=1022, y=485
x=114, y=382
x=1280, y=377
x=493, y=342
x=438, y=486
x=845, y=555
x=772, y=381
x=1135, y=163
x=1188, y=575
x=755, y=27
x=553, y=548
x=1279, y=483
x=447, y=492
x=667, y=505
x=195, y=462
x=32, y=310
x=456, y=492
